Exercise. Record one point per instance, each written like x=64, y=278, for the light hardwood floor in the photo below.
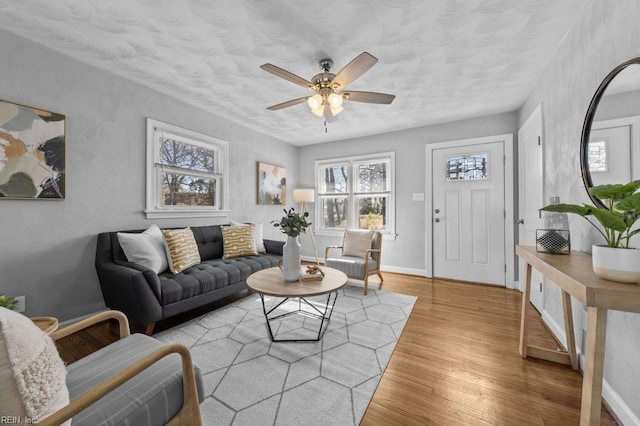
x=456, y=363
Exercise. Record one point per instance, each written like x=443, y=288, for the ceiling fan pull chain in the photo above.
x=325, y=126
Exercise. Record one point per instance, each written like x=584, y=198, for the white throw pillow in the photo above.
x=258, y=234
x=356, y=243
x=146, y=249
x=32, y=375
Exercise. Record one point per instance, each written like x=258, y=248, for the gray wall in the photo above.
x=407, y=252
x=47, y=248
x=605, y=35
x=619, y=105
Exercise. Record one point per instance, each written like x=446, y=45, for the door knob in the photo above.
x=436, y=219
x=437, y=210
x=521, y=222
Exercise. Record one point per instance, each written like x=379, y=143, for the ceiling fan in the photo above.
x=329, y=88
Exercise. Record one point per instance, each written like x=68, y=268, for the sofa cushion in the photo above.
x=210, y=275
x=32, y=375
x=145, y=249
x=209, y=239
x=182, y=249
x=350, y=265
x=152, y=397
x=239, y=241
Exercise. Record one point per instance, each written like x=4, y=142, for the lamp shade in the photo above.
x=315, y=101
x=304, y=195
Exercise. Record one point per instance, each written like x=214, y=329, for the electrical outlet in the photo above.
x=22, y=303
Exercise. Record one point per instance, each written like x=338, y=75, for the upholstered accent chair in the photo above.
x=135, y=380
x=358, y=257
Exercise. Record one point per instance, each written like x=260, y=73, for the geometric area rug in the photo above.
x=250, y=380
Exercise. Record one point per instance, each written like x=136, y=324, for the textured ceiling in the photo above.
x=444, y=60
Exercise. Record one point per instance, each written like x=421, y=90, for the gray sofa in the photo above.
x=146, y=297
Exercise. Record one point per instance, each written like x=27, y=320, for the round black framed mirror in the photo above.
x=607, y=157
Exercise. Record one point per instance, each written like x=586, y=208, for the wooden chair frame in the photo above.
x=189, y=413
x=367, y=272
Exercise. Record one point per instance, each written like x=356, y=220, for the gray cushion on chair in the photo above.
x=150, y=398
x=350, y=265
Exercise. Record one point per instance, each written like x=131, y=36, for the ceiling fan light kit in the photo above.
x=328, y=98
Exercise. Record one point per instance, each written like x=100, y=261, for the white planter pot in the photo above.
x=616, y=264
x=291, y=259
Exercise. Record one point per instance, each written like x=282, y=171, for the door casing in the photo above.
x=534, y=125
x=507, y=140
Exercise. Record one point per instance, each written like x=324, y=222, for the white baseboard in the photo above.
x=385, y=268
x=620, y=409
x=406, y=271
x=516, y=286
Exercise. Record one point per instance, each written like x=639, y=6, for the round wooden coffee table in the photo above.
x=269, y=282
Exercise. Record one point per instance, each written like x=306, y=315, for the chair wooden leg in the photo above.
x=366, y=284
x=148, y=329
x=381, y=280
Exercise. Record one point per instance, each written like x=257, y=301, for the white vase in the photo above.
x=291, y=259
x=616, y=264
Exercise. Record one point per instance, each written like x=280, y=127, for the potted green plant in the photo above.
x=616, y=260
x=8, y=302
x=293, y=224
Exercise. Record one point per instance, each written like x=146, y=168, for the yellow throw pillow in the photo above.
x=182, y=249
x=238, y=241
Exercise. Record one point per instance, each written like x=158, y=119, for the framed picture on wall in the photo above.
x=32, y=153
x=272, y=184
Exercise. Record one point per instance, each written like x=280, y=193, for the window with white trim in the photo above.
x=186, y=173
x=356, y=193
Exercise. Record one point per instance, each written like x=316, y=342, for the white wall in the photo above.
x=47, y=248
x=406, y=253
x=605, y=35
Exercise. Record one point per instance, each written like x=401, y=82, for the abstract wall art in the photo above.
x=272, y=184
x=32, y=153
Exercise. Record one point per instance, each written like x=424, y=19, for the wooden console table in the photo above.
x=574, y=275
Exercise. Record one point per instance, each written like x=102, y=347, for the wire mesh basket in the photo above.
x=553, y=241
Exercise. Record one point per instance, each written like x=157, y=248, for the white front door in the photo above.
x=531, y=199
x=468, y=190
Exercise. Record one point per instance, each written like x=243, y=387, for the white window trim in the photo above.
x=390, y=232
x=154, y=210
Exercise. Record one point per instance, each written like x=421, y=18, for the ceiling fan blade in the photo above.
x=368, y=97
x=279, y=72
x=287, y=104
x=328, y=115
x=354, y=69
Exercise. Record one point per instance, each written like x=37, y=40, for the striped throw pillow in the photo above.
x=182, y=249
x=238, y=241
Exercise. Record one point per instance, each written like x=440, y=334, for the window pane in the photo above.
x=334, y=212
x=185, y=190
x=335, y=178
x=372, y=213
x=372, y=177
x=597, y=156
x=468, y=167
x=187, y=156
